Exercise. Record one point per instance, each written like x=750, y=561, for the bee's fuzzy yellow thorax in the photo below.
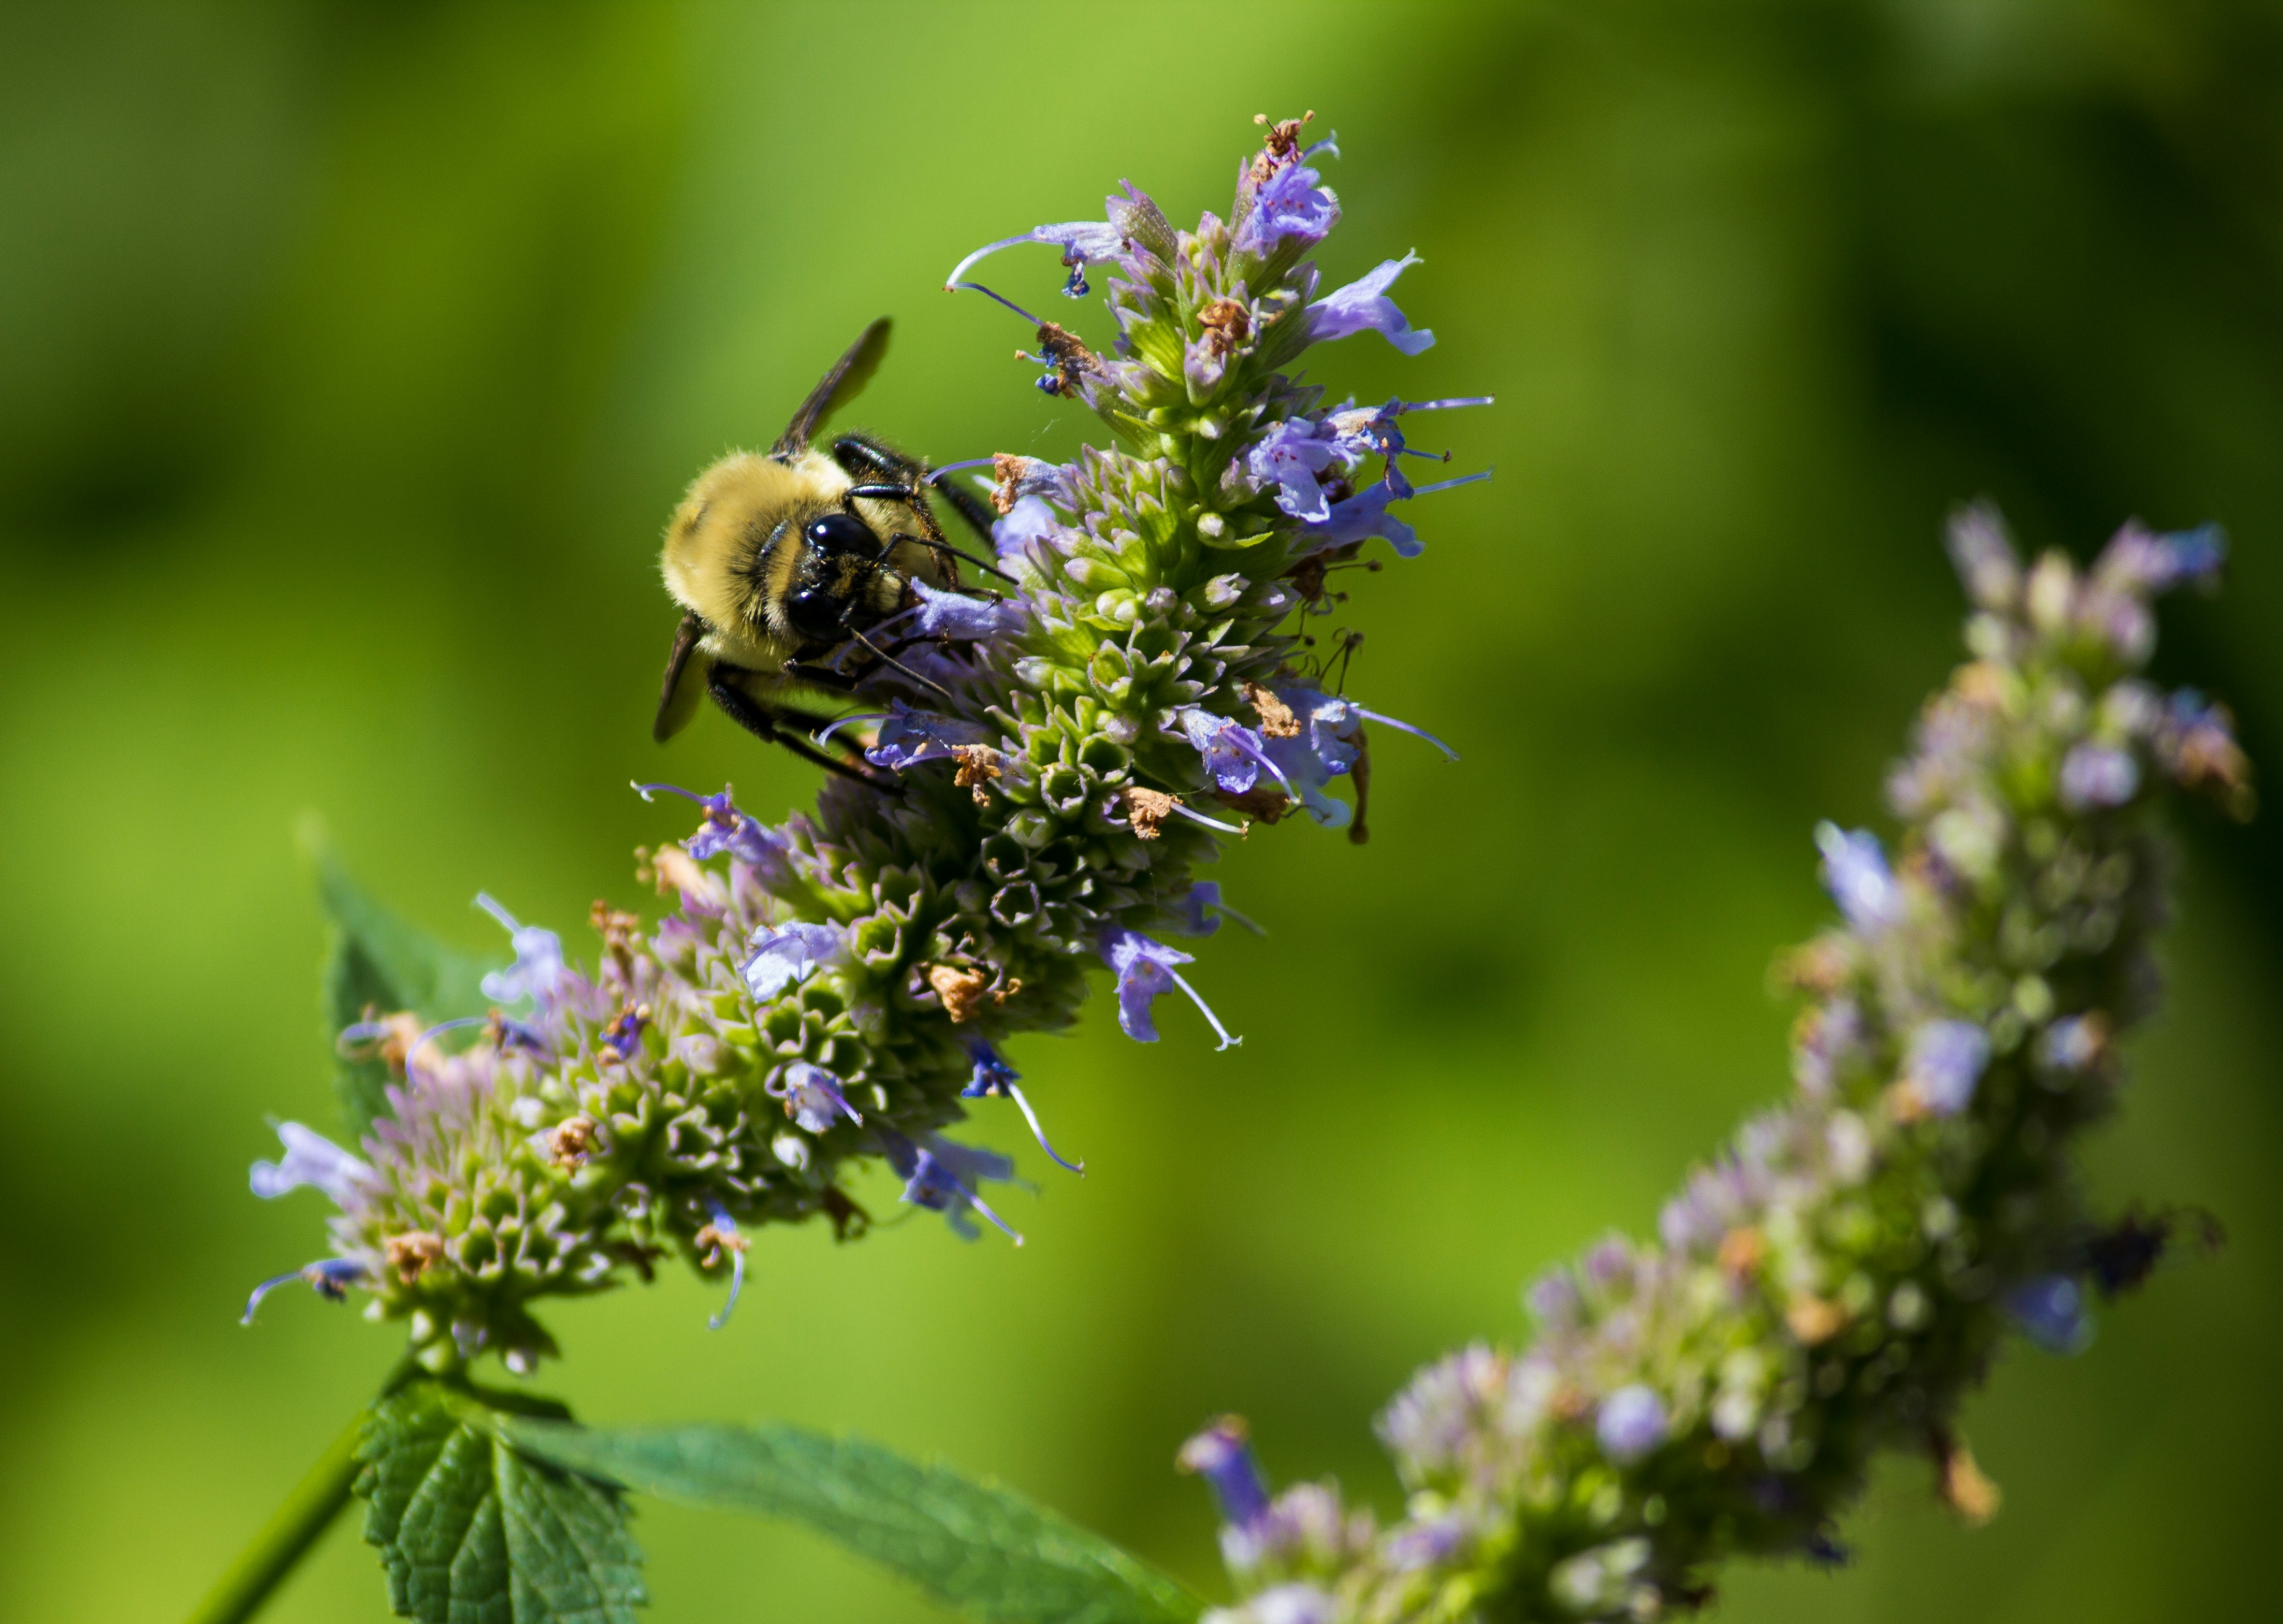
x=733, y=543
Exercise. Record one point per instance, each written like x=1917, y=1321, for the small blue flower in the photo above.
x=719, y=1236
x=1292, y=203
x=538, y=968
x=1234, y=753
x=2073, y=1043
x=961, y=617
x=1946, y=1062
x=940, y=1175
x=908, y=736
x=994, y=1078
x=312, y=1160
x=1030, y=524
x=1855, y=873
x=1083, y=243
x=726, y=828
x=1630, y=1425
x=1221, y=1456
x=330, y=1277
x=1361, y=432
x=1144, y=970
x=1202, y=910
x=1363, y=306
x=1364, y=515
x=2139, y=561
x=2098, y=776
x=2050, y=1310
x=787, y=955
x=623, y=1035
x=813, y=1096
x=1290, y=456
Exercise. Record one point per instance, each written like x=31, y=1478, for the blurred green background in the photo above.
x=354, y=355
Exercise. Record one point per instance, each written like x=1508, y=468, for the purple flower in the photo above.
x=2073, y=1043
x=1029, y=524
x=2098, y=776
x=1983, y=557
x=720, y=1235
x=623, y=1035
x=538, y=968
x=1426, y=1544
x=1364, y=515
x=1362, y=305
x=960, y=617
x=1855, y=873
x=2139, y=561
x=940, y=1175
x=312, y=1160
x=330, y=1277
x=1144, y=970
x=1234, y=753
x=1361, y=432
x=2050, y=1310
x=1222, y=1456
x=1291, y=1603
x=811, y=1097
x=726, y=828
x=1290, y=456
x=909, y=736
x=1632, y=1424
x=993, y=1077
x=1290, y=204
x=786, y=955
x=1946, y=1060
x=1083, y=243
x=1202, y=910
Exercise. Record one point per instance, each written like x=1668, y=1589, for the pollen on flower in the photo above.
x=1282, y=145
x=714, y=1239
x=1226, y=326
x=619, y=930
x=964, y=992
x=978, y=764
x=410, y=1254
x=572, y=1141
x=388, y=1038
x=1147, y=809
x=1277, y=718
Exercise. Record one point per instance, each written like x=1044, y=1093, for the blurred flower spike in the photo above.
x=1836, y=1280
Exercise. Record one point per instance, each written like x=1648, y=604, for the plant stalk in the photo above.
x=288, y=1535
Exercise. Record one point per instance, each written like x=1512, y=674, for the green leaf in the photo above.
x=981, y=1549
x=374, y=960
x=474, y=1532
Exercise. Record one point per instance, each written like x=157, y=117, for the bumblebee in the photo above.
x=783, y=564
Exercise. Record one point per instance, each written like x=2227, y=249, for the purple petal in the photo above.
x=1363, y=305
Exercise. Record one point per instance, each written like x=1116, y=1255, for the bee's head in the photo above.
x=841, y=583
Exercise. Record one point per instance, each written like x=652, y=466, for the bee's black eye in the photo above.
x=842, y=533
x=814, y=615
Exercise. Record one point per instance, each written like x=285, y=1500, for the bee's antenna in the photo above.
x=916, y=676
x=977, y=287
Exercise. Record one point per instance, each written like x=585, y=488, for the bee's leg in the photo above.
x=897, y=478
x=767, y=724
x=964, y=504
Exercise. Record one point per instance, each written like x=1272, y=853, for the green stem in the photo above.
x=296, y=1526
x=288, y=1535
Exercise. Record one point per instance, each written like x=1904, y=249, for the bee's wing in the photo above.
x=841, y=385
x=685, y=681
